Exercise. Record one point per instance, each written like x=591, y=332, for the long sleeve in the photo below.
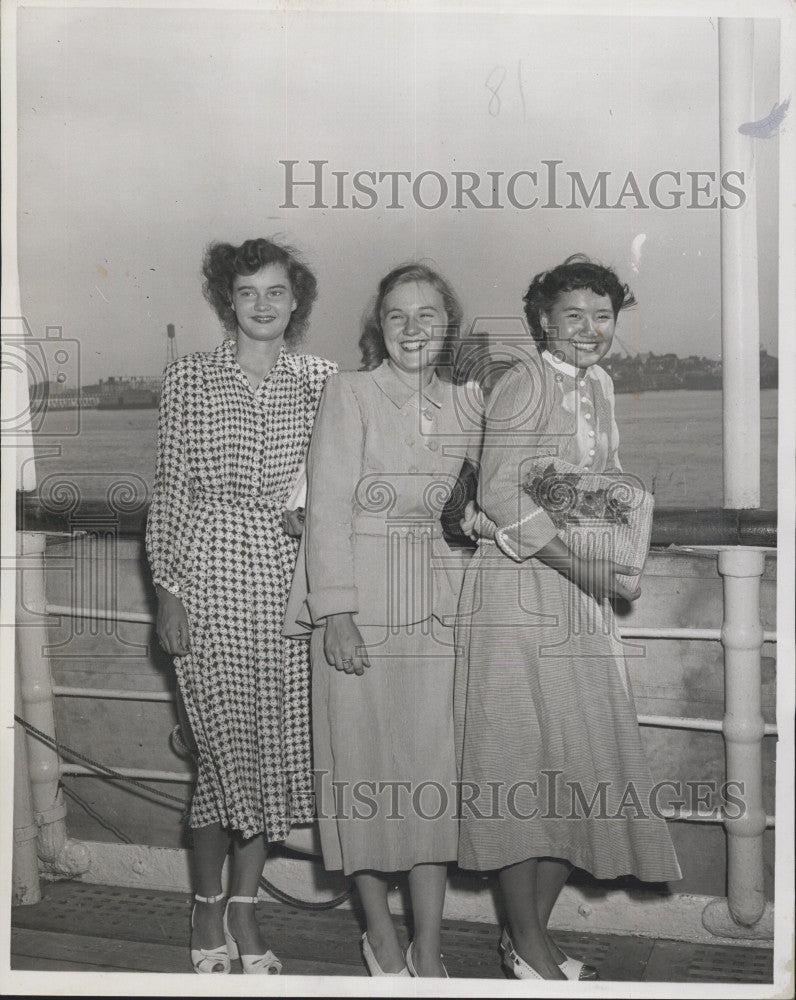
x=613, y=464
x=334, y=467
x=168, y=531
x=516, y=436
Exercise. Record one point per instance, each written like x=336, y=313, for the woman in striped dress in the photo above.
x=551, y=763
x=234, y=427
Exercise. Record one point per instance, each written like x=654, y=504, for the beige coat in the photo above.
x=382, y=462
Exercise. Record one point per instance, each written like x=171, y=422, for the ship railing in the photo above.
x=747, y=534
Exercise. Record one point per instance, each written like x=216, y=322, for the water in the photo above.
x=671, y=439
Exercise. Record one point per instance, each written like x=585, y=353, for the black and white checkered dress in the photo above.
x=228, y=457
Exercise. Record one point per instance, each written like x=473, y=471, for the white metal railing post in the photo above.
x=745, y=912
x=740, y=321
x=25, y=888
x=742, y=637
x=36, y=696
x=742, y=913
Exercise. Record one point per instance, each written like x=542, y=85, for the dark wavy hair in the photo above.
x=371, y=343
x=576, y=272
x=223, y=261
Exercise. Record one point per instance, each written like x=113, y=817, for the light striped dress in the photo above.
x=549, y=752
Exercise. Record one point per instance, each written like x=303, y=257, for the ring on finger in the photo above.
x=350, y=663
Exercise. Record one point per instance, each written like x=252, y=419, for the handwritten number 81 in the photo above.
x=495, y=81
x=493, y=84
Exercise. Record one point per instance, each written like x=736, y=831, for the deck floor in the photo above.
x=81, y=927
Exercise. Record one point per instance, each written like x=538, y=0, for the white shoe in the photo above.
x=410, y=963
x=209, y=960
x=258, y=965
x=373, y=963
x=573, y=968
x=517, y=966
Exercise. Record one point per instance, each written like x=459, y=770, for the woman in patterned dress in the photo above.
x=234, y=427
x=383, y=584
x=547, y=736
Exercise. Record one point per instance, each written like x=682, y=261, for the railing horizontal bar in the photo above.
x=129, y=772
x=670, y=525
x=101, y=614
x=674, y=632
x=629, y=632
x=706, y=725
x=666, y=721
x=715, y=816
x=115, y=694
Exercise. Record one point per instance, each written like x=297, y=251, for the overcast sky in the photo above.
x=144, y=134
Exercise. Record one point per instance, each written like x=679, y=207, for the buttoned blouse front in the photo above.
x=383, y=459
x=540, y=408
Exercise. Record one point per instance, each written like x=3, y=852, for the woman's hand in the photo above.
x=172, y=624
x=293, y=522
x=598, y=577
x=475, y=524
x=343, y=645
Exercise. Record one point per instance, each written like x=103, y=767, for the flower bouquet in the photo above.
x=605, y=514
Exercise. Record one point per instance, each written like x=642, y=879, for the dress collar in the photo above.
x=400, y=392
x=564, y=366
x=225, y=356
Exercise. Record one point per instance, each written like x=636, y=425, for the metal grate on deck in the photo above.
x=104, y=927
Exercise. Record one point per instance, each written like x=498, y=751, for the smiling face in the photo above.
x=413, y=324
x=580, y=326
x=263, y=303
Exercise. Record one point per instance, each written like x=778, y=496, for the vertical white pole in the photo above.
x=17, y=473
x=742, y=636
x=740, y=324
x=25, y=888
x=741, y=569
x=36, y=695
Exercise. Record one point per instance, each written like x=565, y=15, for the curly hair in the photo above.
x=576, y=272
x=371, y=342
x=223, y=261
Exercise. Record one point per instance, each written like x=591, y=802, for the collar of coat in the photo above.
x=400, y=392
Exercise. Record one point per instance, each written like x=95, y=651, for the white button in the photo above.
x=584, y=399
x=587, y=416
x=592, y=451
x=591, y=434
x=583, y=381
x=559, y=377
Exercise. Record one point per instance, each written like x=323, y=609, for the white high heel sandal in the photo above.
x=410, y=962
x=258, y=965
x=209, y=960
x=572, y=968
x=373, y=963
x=517, y=966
